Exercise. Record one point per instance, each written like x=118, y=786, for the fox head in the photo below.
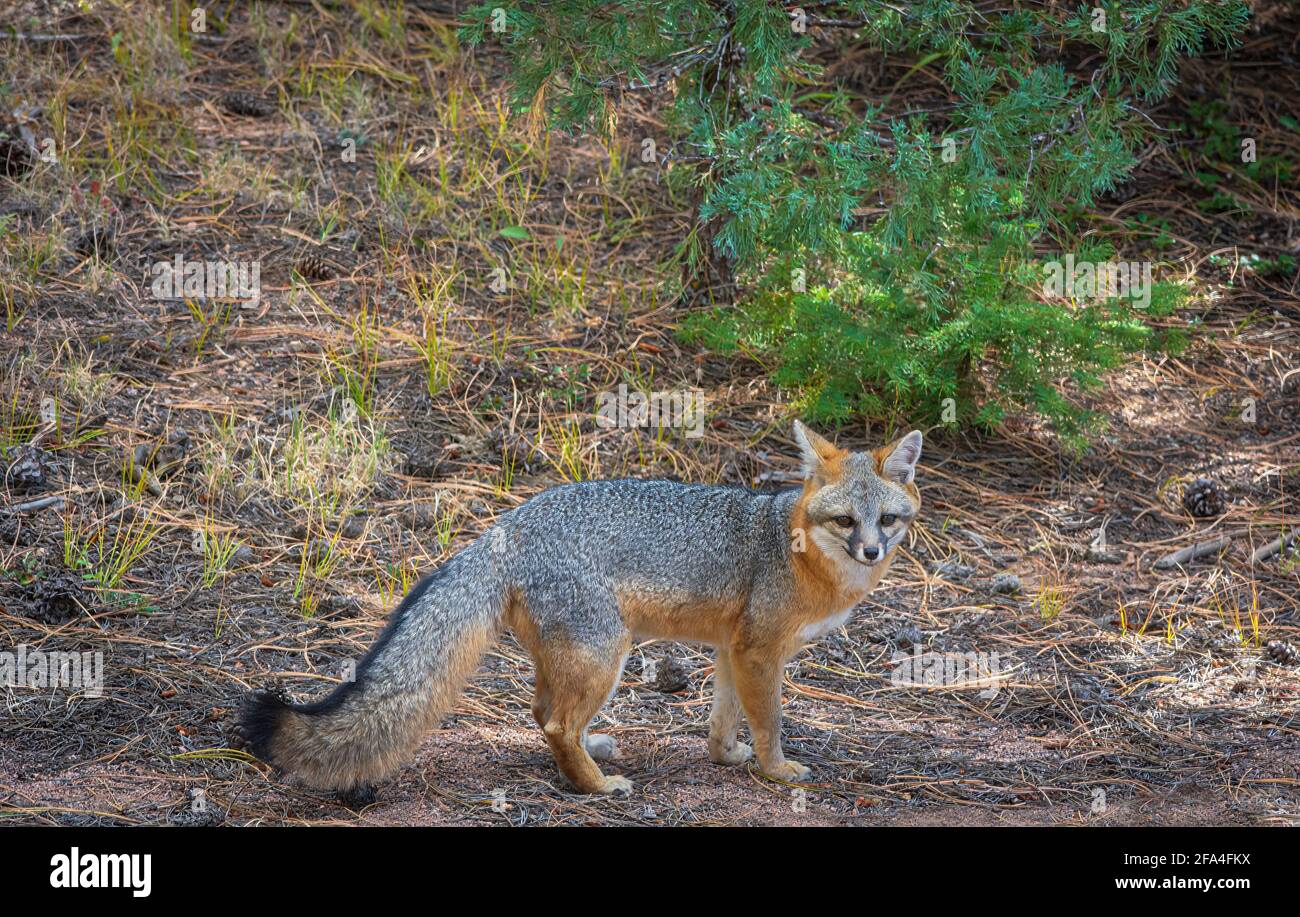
x=858, y=504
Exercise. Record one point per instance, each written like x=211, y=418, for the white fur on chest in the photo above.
x=818, y=629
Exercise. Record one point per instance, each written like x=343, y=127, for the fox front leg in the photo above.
x=724, y=721
x=757, y=675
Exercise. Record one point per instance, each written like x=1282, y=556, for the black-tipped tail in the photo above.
x=367, y=726
x=259, y=718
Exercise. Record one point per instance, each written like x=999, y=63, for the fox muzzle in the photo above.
x=863, y=548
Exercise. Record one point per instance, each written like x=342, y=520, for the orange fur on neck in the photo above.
x=816, y=581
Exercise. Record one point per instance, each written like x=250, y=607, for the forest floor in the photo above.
x=245, y=489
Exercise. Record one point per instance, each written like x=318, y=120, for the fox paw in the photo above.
x=601, y=747
x=737, y=753
x=620, y=785
x=791, y=771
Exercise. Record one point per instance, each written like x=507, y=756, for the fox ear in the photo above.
x=899, y=460
x=815, y=451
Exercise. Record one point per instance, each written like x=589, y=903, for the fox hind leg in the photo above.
x=580, y=680
x=541, y=698
x=601, y=747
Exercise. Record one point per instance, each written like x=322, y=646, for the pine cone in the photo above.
x=671, y=676
x=246, y=104
x=1203, y=499
x=57, y=598
x=1282, y=653
x=28, y=467
x=313, y=267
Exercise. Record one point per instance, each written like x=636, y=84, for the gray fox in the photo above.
x=581, y=571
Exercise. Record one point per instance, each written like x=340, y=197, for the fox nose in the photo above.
x=870, y=552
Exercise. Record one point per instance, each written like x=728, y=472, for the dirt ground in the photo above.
x=246, y=489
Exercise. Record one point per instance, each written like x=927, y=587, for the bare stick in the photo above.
x=42, y=503
x=1273, y=547
x=1192, y=552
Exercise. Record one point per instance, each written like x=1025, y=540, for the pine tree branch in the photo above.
x=663, y=78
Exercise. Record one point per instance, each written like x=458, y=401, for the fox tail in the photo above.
x=369, y=726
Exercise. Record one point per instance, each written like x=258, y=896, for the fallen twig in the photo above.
x=1192, y=552
x=42, y=503
x=1276, y=546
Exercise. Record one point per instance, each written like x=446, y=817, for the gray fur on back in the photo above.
x=571, y=547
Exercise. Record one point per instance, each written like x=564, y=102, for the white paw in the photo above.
x=738, y=753
x=791, y=771
x=620, y=785
x=601, y=747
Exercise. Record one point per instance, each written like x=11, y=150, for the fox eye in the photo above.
x=846, y=521
x=888, y=519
